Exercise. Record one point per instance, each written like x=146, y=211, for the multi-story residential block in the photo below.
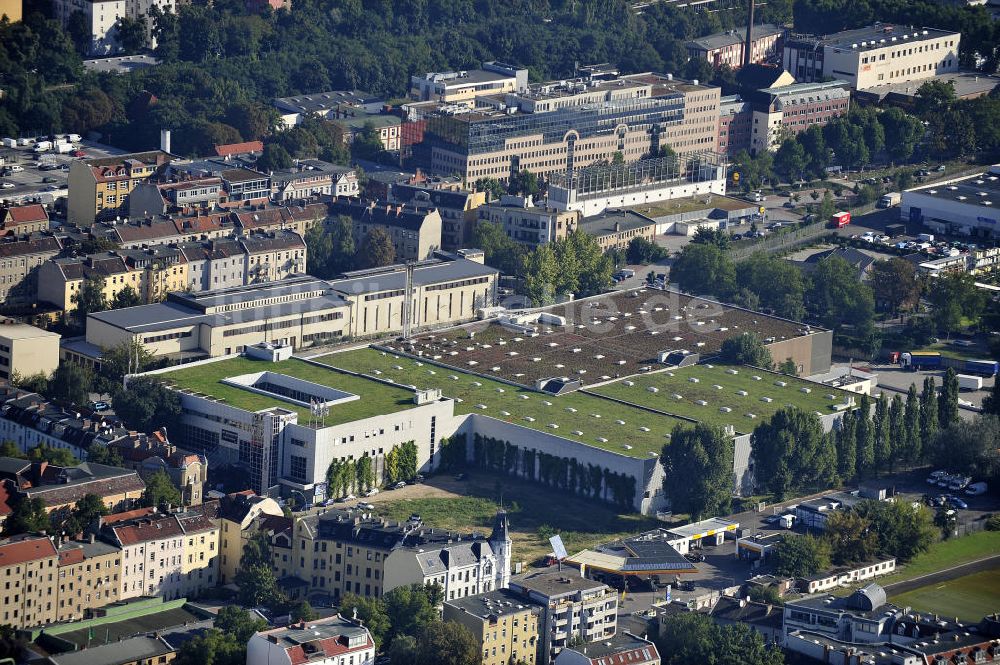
x=11, y=9
x=726, y=49
x=29, y=420
x=19, y=220
x=574, y=608
x=327, y=104
x=100, y=188
x=757, y=121
x=102, y=18
x=20, y=263
x=462, y=87
x=529, y=224
x=298, y=218
x=29, y=568
x=241, y=184
x=139, y=234
x=26, y=350
x=331, y=641
x=59, y=488
x=615, y=229
x=88, y=577
x=874, y=55
x=415, y=233
x=238, y=515
x=560, y=126
x=200, y=565
x=622, y=648
x=457, y=207
x=502, y=622
x=60, y=281
x=160, y=198
x=313, y=177
x=386, y=127
x=344, y=551
x=273, y=256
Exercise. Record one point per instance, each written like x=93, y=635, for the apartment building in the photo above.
x=19, y=220
x=560, y=126
x=200, y=562
x=457, y=207
x=273, y=256
x=152, y=453
x=573, y=608
x=346, y=551
x=26, y=350
x=504, y=624
x=313, y=177
x=334, y=640
x=88, y=577
x=142, y=233
x=99, y=188
x=29, y=420
x=20, y=262
x=29, y=570
x=297, y=218
x=529, y=224
x=160, y=198
x=388, y=128
x=726, y=49
x=622, y=648
x=615, y=229
x=238, y=515
x=62, y=280
x=59, y=488
x=241, y=184
x=875, y=55
x=463, y=86
x=415, y=232
x=102, y=17
x=757, y=121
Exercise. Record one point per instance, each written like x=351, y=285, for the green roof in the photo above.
x=720, y=389
x=376, y=398
x=595, y=417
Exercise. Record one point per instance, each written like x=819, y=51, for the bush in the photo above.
x=993, y=523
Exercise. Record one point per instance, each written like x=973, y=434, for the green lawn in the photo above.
x=720, y=390
x=948, y=553
x=948, y=350
x=376, y=398
x=536, y=512
x=593, y=417
x=968, y=598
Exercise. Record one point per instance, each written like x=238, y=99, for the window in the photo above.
x=297, y=468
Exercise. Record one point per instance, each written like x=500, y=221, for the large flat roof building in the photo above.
x=872, y=56
x=965, y=206
x=463, y=86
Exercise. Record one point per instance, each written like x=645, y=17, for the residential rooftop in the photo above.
x=497, y=603
x=557, y=583
x=733, y=37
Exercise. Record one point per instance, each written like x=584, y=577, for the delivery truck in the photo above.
x=42, y=146
x=889, y=200
x=922, y=360
x=840, y=219
x=968, y=382
x=64, y=148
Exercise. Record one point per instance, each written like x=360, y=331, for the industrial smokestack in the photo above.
x=165, y=138
x=748, y=46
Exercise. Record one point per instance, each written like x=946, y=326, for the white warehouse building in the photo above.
x=967, y=206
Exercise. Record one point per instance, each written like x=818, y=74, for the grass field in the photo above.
x=716, y=385
x=968, y=598
x=593, y=417
x=536, y=512
x=948, y=553
x=376, y=398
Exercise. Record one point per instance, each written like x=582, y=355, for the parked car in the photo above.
x=941, y=169
x=8, y=185
x=959, y=482
x=415, y=517
x=461, y=476
x=100, y=405
x=364, y=505
x=372, y=492
x=936, y=476
x=695, y=557
x=955, y=502
x=398, y=486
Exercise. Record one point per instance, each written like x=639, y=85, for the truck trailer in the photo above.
x=968, y=382
x=840, y=219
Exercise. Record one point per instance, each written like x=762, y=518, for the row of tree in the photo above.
x=332, y=248
x=346, y=475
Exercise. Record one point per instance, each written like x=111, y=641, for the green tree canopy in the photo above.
x=704, y=269
x=698, y=466
x=146, y=405
x=801, y=556
x=377, y=249
x=746, y=349
x=161, y=491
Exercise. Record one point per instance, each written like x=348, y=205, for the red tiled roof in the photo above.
x=238, y=148
x=330, y=647
x=114, y=518
x=30, y=213
x=145, y=530
x=28, y=549
x=201, y=223
x=70, y=557
x=5, y=508
x=60, y=495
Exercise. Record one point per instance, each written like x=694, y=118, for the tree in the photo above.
x=501, y=251
x=866, y=437
x=969, y=446
x=955, y=299
x=131, y=34
x=161, y=491
x=991, y=403
x=895, y=285
x=9, y=449
x=494, y=188
x=687, y=637
x=302, y=611
x=642, y=252
x=697, y=463
x=801, y=556
x=851, y=537
x=273, y=158
x=524, y=183
x=447, y=643
x=704, y=269
x=776, y=282
x=911, y=423
x=708, y=236
x=880, y=426
x=746, y=349
x=403, y=650
x=948, y=400
x=788, y=367
x=928, y=412
x=128, y=357
x=903, y=132
x=792, y=452
x=146, y=405
x=409, y=610
x=226, y=643
x=934, y=97
x=127, y=297
x=898, y=528
x=90, y=298
x=377, y=249
x=365, y=473
x=372, y=612
x=790, y=160
x=836, y=296
x=541, y=271
x=255, y=577
x=43, y=452
x=70, y=383
x=29, y=516
x=87, y=509
x=846, y=439
x=897, y=430
x=98, y=453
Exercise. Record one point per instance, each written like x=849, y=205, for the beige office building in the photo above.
x=26, y=350
x=463, y=86
x=529, y=224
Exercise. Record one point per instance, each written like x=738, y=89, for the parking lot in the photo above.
x=43, y=174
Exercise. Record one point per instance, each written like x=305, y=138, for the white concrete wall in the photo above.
x=563, y=199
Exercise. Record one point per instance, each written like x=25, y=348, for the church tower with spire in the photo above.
x=501, y=545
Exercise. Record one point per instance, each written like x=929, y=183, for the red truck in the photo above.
x=840, y=219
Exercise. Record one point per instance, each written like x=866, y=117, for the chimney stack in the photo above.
x=748, y=46
x=165, y=139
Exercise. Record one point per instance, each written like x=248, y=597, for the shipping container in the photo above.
x=925, y=359
x=968, y=382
